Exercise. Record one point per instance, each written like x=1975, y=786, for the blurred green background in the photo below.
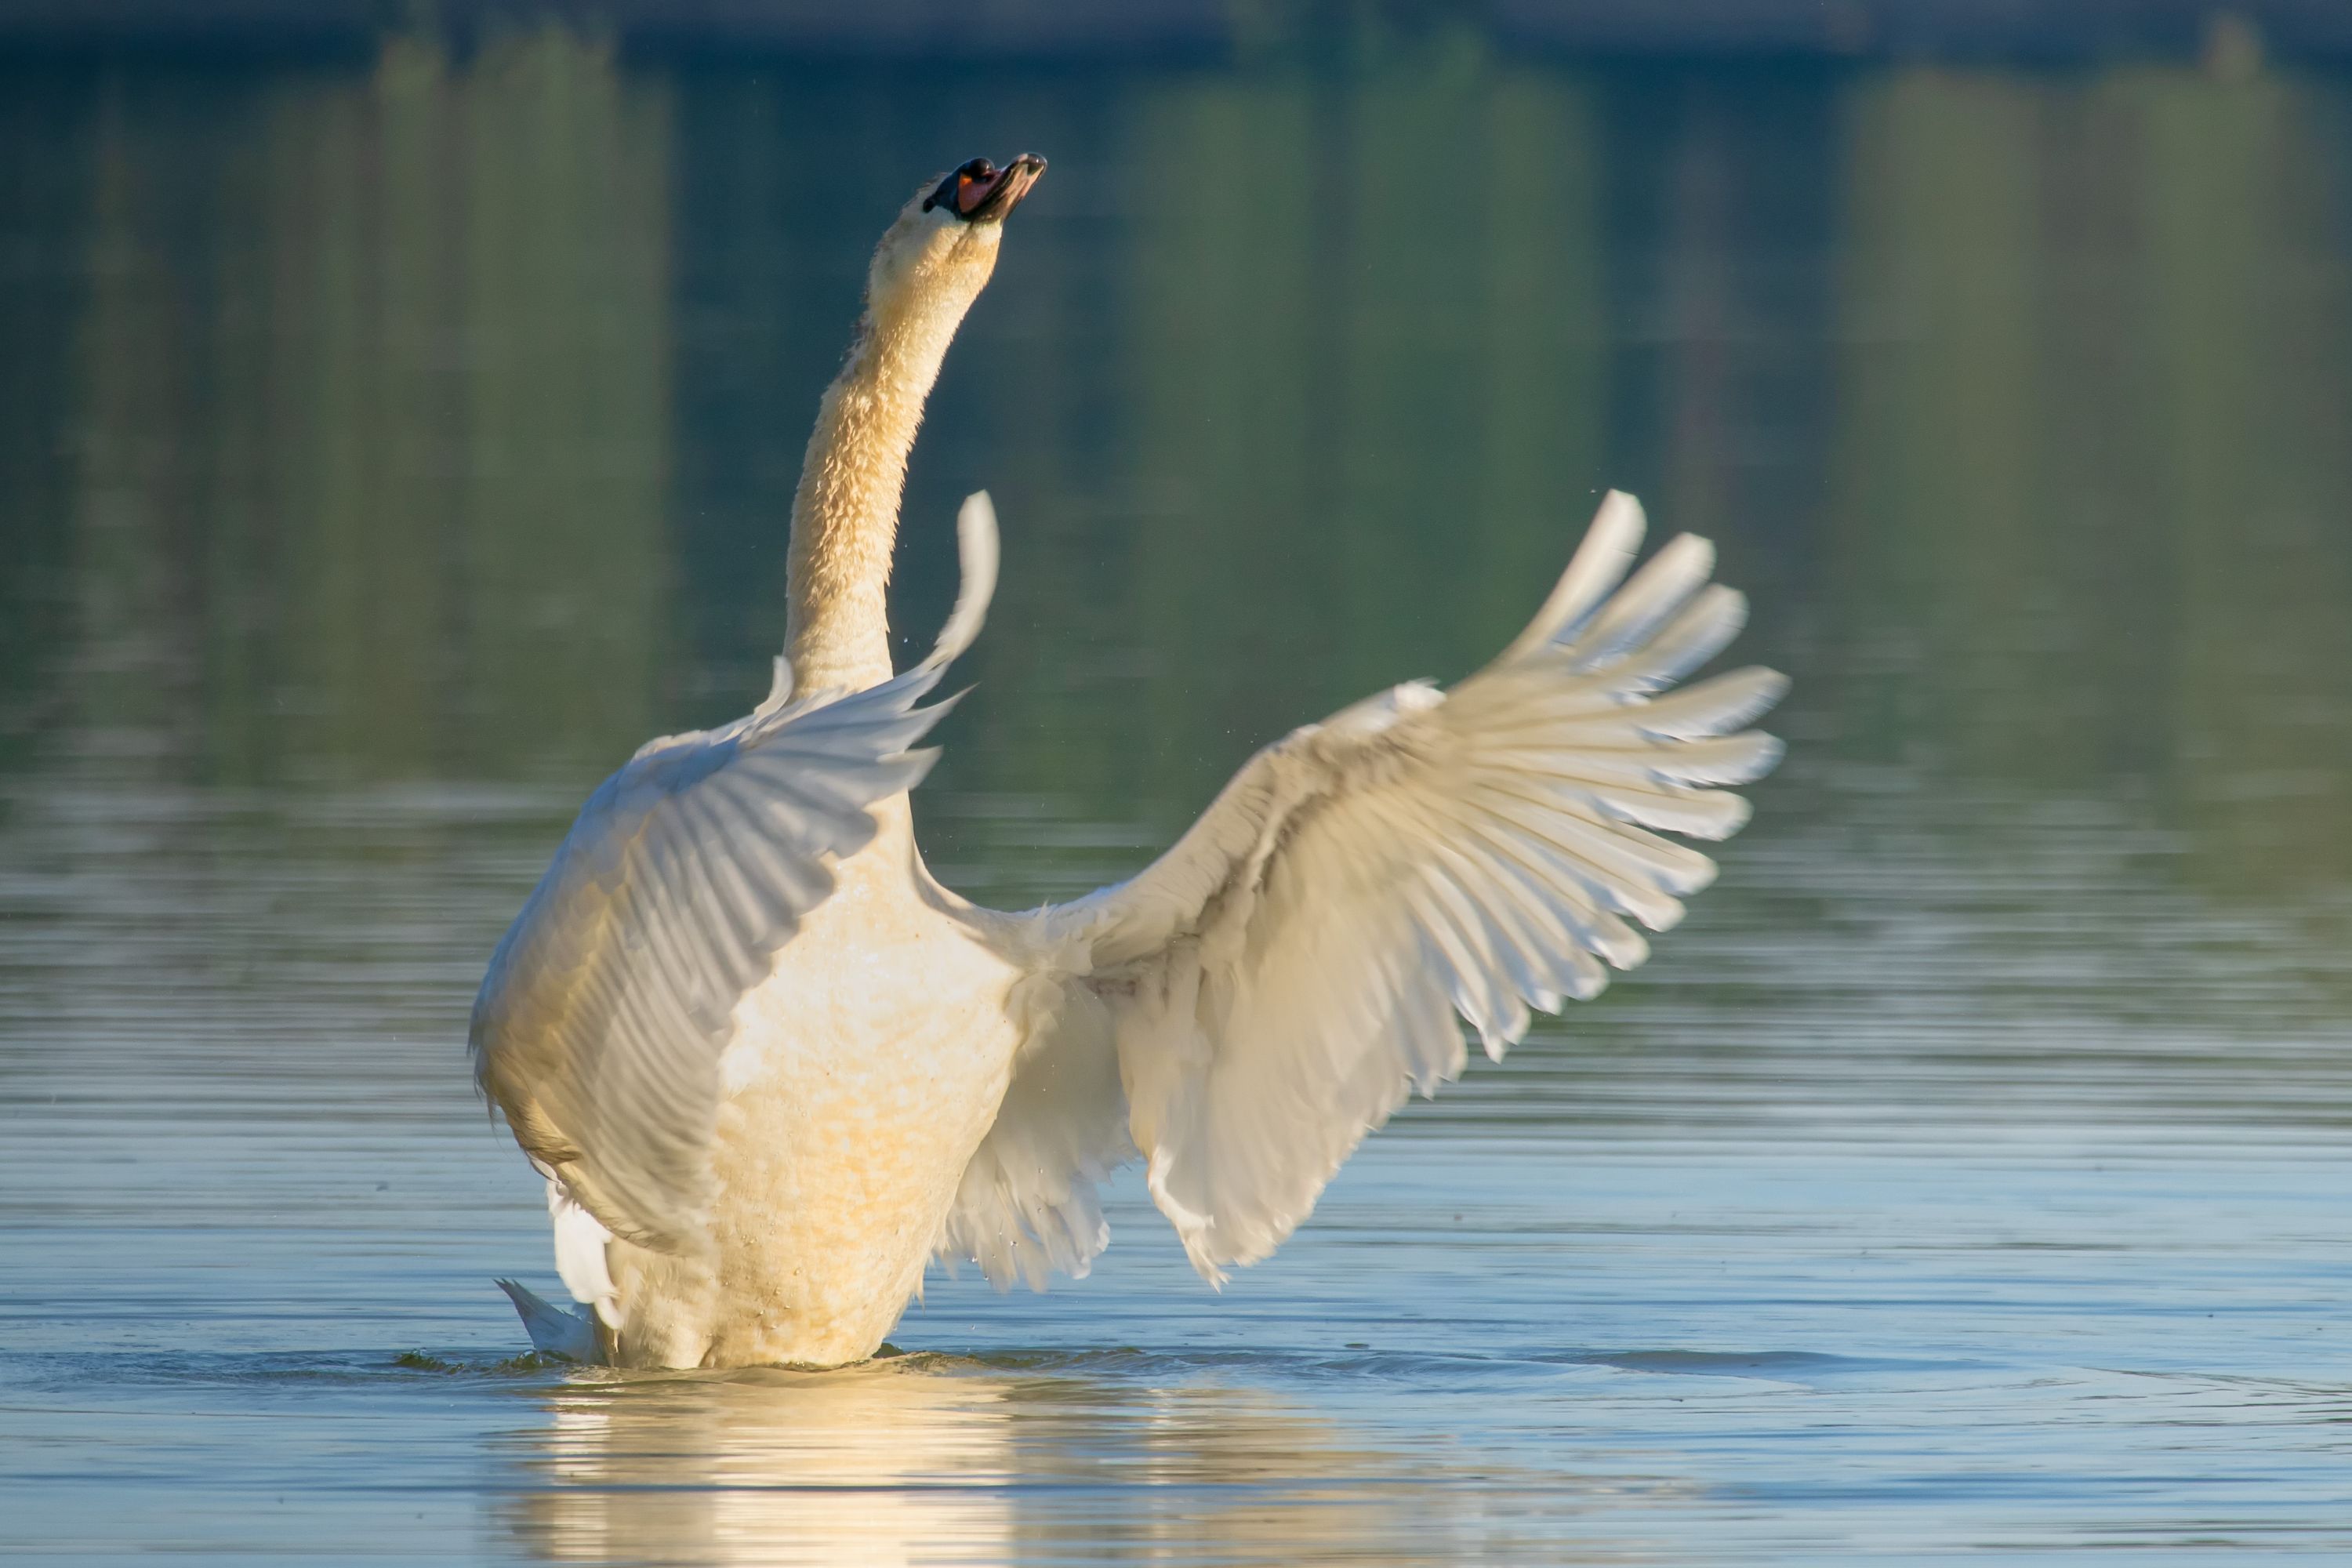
x=435, y=414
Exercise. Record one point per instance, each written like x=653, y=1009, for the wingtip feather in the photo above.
x=1600, y=562
x=978, y=549
x=553, y=1330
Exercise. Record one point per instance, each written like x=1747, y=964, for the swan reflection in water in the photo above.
x=926, y=1458
x=867, y=1465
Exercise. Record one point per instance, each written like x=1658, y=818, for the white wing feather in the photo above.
x=599, y=1026
x=1277, y=982
x=1029, y=1204
x=581, y=1260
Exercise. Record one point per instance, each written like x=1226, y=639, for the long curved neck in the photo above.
x=846, y=512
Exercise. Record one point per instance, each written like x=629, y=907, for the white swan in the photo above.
x=769, y=1067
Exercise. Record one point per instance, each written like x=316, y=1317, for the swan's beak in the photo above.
x=979, y=192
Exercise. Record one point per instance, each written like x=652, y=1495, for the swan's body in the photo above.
x=769, y=1067
x=861, y=1076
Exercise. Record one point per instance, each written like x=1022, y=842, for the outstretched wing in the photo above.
x=1278, y=981
x=599, y=1026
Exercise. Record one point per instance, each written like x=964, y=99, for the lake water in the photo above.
x=385, y=449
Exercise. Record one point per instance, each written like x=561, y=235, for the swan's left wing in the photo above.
x=1276, y=981
x=599, y=1026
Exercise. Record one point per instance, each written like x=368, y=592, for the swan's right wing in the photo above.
x=599, y=1026
x=1280, y=978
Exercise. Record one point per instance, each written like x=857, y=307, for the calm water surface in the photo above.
x=384, y=451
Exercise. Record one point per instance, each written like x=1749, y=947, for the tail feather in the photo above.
x=554, y=1330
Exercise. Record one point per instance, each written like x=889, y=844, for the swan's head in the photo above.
x=943, y=247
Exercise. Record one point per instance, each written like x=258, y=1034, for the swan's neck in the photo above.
x=846, y=512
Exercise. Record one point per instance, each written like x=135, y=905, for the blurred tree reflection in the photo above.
x=2090, y=514
x=1369, y=358
x=45, y=201
x=372, y=398
x=2251, y=334
x=441, y=418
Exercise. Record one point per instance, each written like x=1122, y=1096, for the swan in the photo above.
x=769, y=1067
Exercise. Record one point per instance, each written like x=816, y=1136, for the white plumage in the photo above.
x=1241, y=1014
x=769, y=1067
